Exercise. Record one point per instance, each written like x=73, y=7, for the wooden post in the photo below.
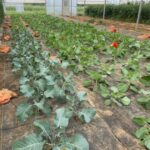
x=104, y=10
x=71, y=7
x=45, y=6
x=62, y=7
x=84, y=6
x=3, y=3
x=54, y=6
x=139, y=15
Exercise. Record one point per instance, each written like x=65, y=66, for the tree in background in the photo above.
x=1, y=12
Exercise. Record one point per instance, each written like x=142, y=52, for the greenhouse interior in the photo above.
x=74, y=74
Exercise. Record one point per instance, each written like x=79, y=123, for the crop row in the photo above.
x=48, y=91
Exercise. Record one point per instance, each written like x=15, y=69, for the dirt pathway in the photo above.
x=10, y=129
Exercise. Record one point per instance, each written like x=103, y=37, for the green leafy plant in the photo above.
x=148, y=68
x=145, y=80
x=47, y=139
x=131, y=69
x=143, y=133
x=1, y=12
x=144, y=101
x=115, y=94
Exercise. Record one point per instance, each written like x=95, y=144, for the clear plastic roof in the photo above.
x=78, y=1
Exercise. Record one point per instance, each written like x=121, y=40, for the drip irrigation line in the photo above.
x=2, y=113
x=1, y=133
x=14, y=127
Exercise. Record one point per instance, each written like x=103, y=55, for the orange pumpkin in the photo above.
x=4, y=48
x=36, y=34
x=112, y=29
x=6, y=95
x=144, y=37
x=6, y=37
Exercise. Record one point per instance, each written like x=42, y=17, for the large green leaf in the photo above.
x=95, y=75
x=123, y=87
x=125, y=101
x=124, y=71
x=76, y=142
x=87, y=114
x=147, y=105
x=142, y=132
x=79, y=142
x=87, y=83
x=24, y=111
x=50, y=92
x=82, y=96
x=45, y=108
x=145, y=80
x=143, y=100
x=148, y=67
x=134, y=88
x=64, y=64
x=140, y=120
x=144, y=92
x=41, y=84
x=147, y=142
x=60, y=95
x=108, y=102
x=62, y=117
x=27, y=90
x=44, y=127
x=23, y=80
x=43, y=70
x=55, y=92
x=50, y=80
x=58, y=148
x=114, y=89
x=31, y=142
x=104, y=91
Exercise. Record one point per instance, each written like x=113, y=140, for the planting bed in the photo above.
x=109, y=67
